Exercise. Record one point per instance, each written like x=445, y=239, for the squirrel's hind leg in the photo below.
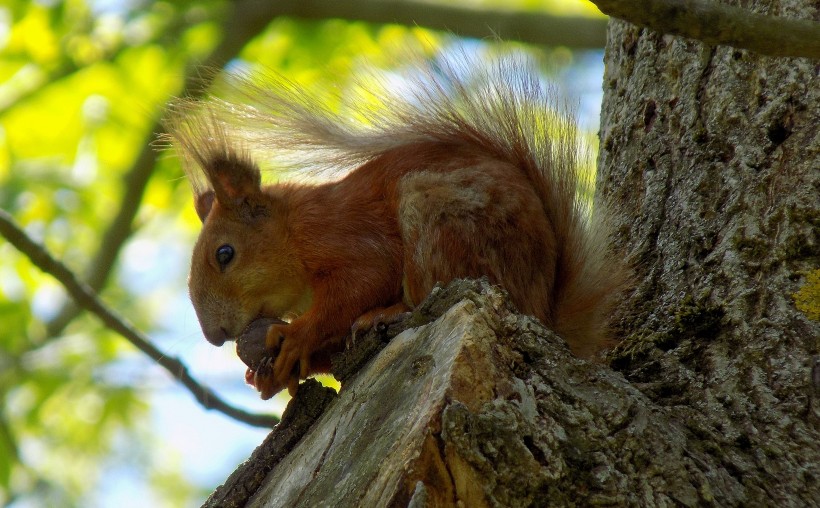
x=478, y=219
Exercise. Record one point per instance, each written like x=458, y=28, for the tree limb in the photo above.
x=716, y=23
x=85, y=297
x=576, y=32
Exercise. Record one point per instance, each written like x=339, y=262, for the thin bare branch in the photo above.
x=717, y=23
x=85, y=297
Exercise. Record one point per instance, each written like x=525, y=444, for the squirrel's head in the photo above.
x=242, y=267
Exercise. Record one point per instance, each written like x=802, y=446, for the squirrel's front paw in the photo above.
x=261, y=378
x=292, y=361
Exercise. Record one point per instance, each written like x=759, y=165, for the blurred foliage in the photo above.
x=82, y=84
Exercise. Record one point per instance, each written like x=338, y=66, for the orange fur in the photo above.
x=474, y=176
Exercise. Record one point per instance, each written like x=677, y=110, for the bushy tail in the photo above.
x=512, y=115
x=503, y=109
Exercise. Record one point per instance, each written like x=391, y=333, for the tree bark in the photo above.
x=476, y=405
x=485, y=407
x=713, y=154
x=711, y=158
x=771, y=32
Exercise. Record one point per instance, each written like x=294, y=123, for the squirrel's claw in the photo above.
x=378, y=318
x=262, y=378
x=293, y=385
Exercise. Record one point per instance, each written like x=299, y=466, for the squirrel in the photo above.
x=474, y=174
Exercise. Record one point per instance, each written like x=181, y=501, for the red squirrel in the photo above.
x=474, y=174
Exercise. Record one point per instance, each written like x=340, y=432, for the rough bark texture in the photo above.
x=300, y=415
x=769, y=33
x=716, y=152
x=713, y=397
x=485, y=407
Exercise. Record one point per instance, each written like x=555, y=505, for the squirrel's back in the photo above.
x=498, y=194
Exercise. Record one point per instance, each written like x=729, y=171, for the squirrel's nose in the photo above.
x=217, y=337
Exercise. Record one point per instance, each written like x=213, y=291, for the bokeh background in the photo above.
x=86, y=419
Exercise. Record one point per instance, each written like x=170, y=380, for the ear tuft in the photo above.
x=232, y=176
x=215, y=160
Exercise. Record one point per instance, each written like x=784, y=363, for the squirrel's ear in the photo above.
x=237, y=185
x=203, y=203
x=234, y=179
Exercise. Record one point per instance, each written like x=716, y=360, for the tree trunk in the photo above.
x=712, y=158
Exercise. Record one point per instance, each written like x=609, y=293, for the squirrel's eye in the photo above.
x=224, y=255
